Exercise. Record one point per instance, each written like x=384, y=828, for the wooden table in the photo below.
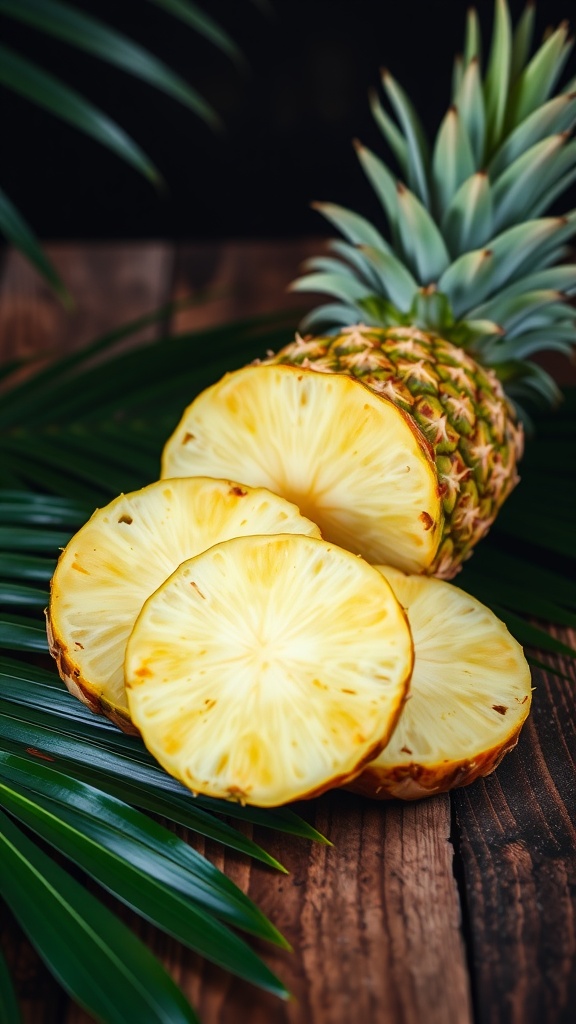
x=453, y=910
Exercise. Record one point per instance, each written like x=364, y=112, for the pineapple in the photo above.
x=123, y=553
x=318, y=440
x=268, y=668
x=470, y=694
x=441, y=318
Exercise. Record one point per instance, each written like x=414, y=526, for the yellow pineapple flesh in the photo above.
x=469, y=697
x=349, y=458
x=458, y=406
x=268, y=669
x=123, y=554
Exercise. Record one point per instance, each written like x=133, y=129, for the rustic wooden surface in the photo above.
x=456, y=910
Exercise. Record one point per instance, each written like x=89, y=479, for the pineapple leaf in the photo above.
x=355, y=228
x=421, y=240
x=497, y=79
x=383, y=184
x=469, y=102
x=468, y=279
x=522, y=183
x=550, y=195
x=82, y=942
x=522, y=40
x=391, y=133
x=330, y=315
x=339, y=284
x=468, y=221
x=453, y=159
x=513, y=311
x=531, y=342
x=553, y=118
x=414, y=134
x=539, y=77
x=356, y=256
x=473, y=38
x=395, y=279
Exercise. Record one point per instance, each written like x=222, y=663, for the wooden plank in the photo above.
x=111, y=284
x=518, y=849
x=232, y=280
x=373, y=921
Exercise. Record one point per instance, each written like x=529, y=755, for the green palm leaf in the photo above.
x=82, y=942
x=20, y=235
x=89, y=34
x=25, y=78
x=93, y=36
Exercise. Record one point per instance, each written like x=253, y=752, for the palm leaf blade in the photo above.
x=136, y=878
x=20, y=234
x=93, y=36
x=82, y=942
x=23, y=77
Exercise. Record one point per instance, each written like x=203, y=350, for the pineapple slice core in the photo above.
x=268, y=669
x=124, y=552
x=469, y=697
x=350, y=460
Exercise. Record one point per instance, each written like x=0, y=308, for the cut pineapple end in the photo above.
x=123, y=554
x=268, y=669
x=350, y=460
x=469, y=697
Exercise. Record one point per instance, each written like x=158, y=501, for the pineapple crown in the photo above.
x=468, y=253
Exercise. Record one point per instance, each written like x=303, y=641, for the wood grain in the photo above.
x=518, y=850
x=373, y=921
x=238, y=279
x=110, y=284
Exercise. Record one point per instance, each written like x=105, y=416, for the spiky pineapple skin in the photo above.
x=459, y=407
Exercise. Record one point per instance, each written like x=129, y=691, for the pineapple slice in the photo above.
x=268, y=669
x=470, y=694
x=351, y=461
x=123, y=553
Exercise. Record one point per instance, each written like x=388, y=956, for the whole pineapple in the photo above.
x=440, y=317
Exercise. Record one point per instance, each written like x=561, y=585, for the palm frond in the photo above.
x=82, y=942
x=106, y=43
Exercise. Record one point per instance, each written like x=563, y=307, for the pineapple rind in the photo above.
x=459, y=407
x=268, y=669
x=123, y=553
x=469, y=698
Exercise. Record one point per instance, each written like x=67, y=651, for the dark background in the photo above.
x=288, y=122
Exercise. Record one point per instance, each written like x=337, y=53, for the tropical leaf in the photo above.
x=89, y=34
x=82, y=942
